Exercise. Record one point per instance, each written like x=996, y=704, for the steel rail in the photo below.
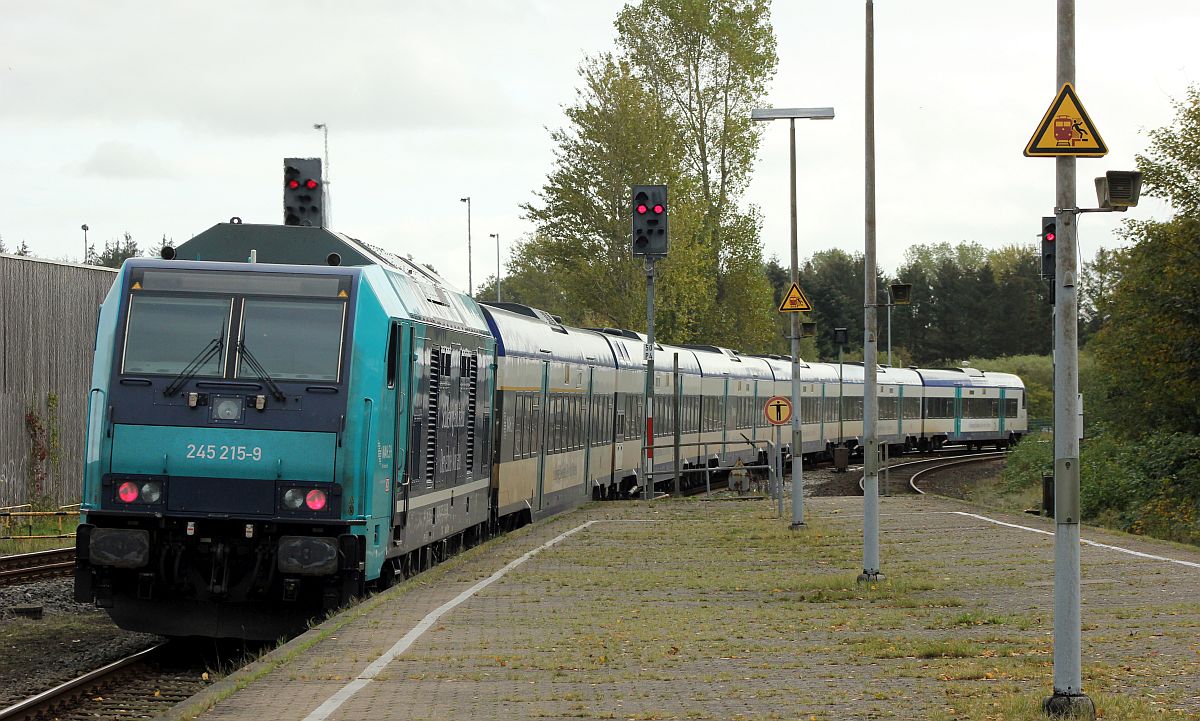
x=35, y=705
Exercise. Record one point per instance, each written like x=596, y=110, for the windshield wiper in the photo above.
x=260, y=371
x=191, y=369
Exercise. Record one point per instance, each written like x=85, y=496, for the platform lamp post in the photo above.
x=470, y=281
x=84, y=228
x=791, y=115
x=497, y=237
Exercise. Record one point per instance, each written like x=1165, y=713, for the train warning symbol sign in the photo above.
x=794, y=301
x=778, y=410
x=1066, y=130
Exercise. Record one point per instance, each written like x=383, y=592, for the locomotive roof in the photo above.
x=423, y=294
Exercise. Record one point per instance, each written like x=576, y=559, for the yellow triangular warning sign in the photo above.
x=1066, y=130
x=795, y=301
x=136, y=286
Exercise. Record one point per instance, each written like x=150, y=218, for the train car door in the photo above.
x=1002, y=410
x=539, y=489
x=725, y=420
x=589, y=415
x=401, y=473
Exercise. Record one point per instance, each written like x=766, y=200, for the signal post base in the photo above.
x=871, y=577
x=1069, y=706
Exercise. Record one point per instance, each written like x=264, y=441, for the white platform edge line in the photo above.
x=334, y=702
x=1084, y=541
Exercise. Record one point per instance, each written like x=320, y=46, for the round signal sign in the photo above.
x=778, y=410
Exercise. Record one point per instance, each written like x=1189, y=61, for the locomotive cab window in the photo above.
x=166, y=334
x=271, y=334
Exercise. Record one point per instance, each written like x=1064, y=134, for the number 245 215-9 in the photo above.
x=214, y=452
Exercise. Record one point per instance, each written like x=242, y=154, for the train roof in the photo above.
x=968, y=377
x=718, y=361
x=521, y=331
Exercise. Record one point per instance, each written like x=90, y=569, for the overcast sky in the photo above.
x=164, y=118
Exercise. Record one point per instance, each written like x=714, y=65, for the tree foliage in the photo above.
x=671, y=113
x=117, y=251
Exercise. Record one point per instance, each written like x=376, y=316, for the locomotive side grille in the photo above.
x=432, y=415
x=472, y=381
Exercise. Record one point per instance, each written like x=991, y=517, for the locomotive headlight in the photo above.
x=227, y=409
x=293, y=499
x=151, y=492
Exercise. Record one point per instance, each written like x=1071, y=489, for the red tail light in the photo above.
x=127, y=492
x=315, y=499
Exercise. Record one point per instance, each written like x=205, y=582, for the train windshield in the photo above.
x=236, y=324
x=295, y=339
x=167, y=334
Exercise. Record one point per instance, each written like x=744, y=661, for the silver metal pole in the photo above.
x=677, y=431
x=497, y=266
x=889, y=307
x=797, y=449
x=871, y=571
x=470, y=279
x=1068, y=698
x=648, y=444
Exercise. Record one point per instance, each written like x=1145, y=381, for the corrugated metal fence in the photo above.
x=47, y=329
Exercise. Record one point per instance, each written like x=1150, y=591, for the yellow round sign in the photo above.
x=778, y=410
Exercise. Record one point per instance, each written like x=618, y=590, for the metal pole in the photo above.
x=840, y=404
x=797, y=450
x=677, y=389
x=1068, y=698
x=871, y=571
x=648, y=444
x=325, y=175
x=85, y=245
x=497, y=266
x=889, y=307
x=470, y=279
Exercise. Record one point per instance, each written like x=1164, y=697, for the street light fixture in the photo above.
x=497, y=237
x=791, y=115
x=84, y=228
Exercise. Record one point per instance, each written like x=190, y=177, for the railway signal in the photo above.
x=1048, y=235
x=303, y=200
x=650, y=220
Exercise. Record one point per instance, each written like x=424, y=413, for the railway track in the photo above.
x=911, y=471
x=24, y=567
x=143, y=685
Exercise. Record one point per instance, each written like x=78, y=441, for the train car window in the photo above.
x=166, y=334
x=1010, y=407
x=269, y=332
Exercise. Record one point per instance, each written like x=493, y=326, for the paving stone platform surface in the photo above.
x=697, y=609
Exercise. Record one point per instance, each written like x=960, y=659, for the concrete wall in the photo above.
x=47, y=328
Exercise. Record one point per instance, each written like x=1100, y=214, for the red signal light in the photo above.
x=658, y=209
x=1050, y=237
x=641, y=209
x=293, y=184
x=311, y=184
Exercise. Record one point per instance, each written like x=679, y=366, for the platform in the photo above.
x=698, y=609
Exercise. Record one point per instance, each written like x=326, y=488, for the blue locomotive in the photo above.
x=280, y=416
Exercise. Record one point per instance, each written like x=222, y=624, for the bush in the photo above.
x=1147, y=486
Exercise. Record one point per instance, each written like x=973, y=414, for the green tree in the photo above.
x=3, y=247
x=1171, y=166
x=708, y=62
x=116, y=251
x=22, y=249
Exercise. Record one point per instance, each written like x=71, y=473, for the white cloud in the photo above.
x=125, y=161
